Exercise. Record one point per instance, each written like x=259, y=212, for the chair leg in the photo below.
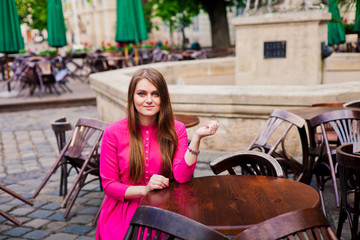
x=354, y=226
x=46, y=179
x=80, y=185
x=16, y=195
x=342, y=218
x=10, y=218
x=320, y=186
x=97, y=213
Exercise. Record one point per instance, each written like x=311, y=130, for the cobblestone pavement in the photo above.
x=27, y=151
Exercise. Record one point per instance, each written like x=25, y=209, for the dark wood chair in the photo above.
x=349, y=174
x=46, y=76
x=345, y=123
x=271, y=140
x=61, y=127
x=331, y=135
x=155, y=223
x=307, y=223
x=82, y=153
x=249, y=162
x=352, y=104
x=18, y=196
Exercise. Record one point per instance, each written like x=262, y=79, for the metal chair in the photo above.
x=349, y=174
x=155, y=223
x=309, y=223
x=275, y=130
x=250, y=162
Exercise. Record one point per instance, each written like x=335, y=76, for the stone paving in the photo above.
x=27, y=151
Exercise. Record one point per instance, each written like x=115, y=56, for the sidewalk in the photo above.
x=27, y=151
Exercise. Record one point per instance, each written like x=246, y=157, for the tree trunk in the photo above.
x=219, y=23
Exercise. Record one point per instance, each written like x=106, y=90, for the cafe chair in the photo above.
x=349, y=174
x=271, y=140
x=82, y=153
x=346, y=124
x=18, y=196
x=155, y=223
x=309, y=223
x=46, y=76
x=61, y=127
x=331, y=135
x=249, y=162
x=352, y=104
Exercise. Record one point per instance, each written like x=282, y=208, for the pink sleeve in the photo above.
x=182, y=171
x=109, y=167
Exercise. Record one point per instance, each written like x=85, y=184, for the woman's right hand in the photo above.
x=157, y=182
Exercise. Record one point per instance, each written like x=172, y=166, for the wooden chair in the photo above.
x=331, y=135
x=45, y=73
x=81, y=152
x=156, y=223
x=250, y=162
x=349, y=174
x=18, y=196
x=60, y=127
x=307, y=223
x=280, y=122
x=352, y=104
x=346, y=124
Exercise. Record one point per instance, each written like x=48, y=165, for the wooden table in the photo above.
x=188, y=120
x=233, y=203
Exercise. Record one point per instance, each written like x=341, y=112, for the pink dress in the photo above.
x=116, y=211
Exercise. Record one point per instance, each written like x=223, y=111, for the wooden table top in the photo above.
x=233, y=203
x=188, y=120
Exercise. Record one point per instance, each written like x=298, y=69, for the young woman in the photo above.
x=143, y=152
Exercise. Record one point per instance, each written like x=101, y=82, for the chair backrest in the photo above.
x=86, y=137
x=251, y=162
x=163, y=224
x=353, y=104
x=281, y=121
x=60, y=127
x=307, y=223
x=345, y=123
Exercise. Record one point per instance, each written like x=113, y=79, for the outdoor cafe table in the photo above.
x=188, y=120
x=233, y=203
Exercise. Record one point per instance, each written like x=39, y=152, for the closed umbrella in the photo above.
x=336, y=30
x=55, y=24
x=11, y=40
x=130, y=24
x=357, y=18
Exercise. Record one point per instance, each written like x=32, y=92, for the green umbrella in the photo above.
x=357, y=18
x=55, y=24
x=11, y=40
x=130, y=24
x=336, y=30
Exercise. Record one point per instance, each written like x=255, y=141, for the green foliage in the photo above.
x=47, y=51
x=173, y=13
x=349, y=28
x=33, y=13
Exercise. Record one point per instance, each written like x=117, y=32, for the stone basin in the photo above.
x=206, y=88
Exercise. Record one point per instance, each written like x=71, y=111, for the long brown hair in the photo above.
x=166, y=134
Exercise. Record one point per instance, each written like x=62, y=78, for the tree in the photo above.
x=176, y=14
x=170, y=11
x=33, y=13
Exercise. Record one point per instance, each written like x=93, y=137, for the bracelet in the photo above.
x=196, y=153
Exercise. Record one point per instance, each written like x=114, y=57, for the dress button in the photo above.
x=147, y=145
x=147, y=165
x=146, y=151
x=147, y=172
x=147, y=132
x=147, y=158
x=147, y=138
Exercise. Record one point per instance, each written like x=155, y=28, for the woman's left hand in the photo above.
x=209, y=129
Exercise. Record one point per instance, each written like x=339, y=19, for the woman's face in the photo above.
x=146, y=101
